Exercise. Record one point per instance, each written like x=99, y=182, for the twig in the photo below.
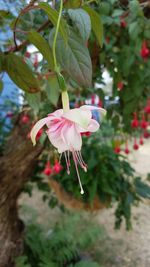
x=23, y=11
x=24, y=43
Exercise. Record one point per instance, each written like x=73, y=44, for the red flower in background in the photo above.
x=86, y=134
x=27, y=54
x=123, y=23
x=147, y=108
x=141, y=142
x=135, y=146
x=25, y=119
x=117, y=149
x=146, y=134
x=47, y=171
x=135, y=123
x=144, y=123
x=35, y=64
x=126, y=150
x=120, y=86
x=93, y=99
x=40, y=132
x=100, y=103
x=145, y=52
x=57, y=167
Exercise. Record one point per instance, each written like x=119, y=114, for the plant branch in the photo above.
x=24, y=43
x=56, y=34
x=23, y=11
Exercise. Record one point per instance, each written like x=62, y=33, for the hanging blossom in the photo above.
x=64, y=129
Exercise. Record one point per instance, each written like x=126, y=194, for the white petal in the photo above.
x=93, y=126
x=58, y=113
x=89, y=107
x=71, y=137
x=37, y=127
x=79, y=116
x=58, y=143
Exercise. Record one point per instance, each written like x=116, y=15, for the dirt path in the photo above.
x=129, y=249
x=119, y=248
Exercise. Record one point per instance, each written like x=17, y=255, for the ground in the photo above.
x=119, y=248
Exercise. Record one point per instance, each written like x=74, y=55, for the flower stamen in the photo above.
x=67, y=163
x=76, y=166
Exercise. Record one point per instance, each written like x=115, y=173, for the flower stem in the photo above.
x=55, y=36
x=65, y=101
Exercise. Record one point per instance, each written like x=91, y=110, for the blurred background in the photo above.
x=44, y=220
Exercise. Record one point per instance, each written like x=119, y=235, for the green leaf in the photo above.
x=4, y=15
x=105, y=8
x=96, y=22
x=74, y=58
x=36, y=39
x=73, y=3
x=34, y=101
x=2, y=62
x=87, y=264
x=22, y=261
x=53, y=17
x=20, y=73
x=117, y=13
x=142, y=189
x=52, y=89
x=134, y=30
x=82, y=22
x=1, y=86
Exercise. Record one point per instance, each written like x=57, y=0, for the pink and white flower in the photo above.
x=64, y=132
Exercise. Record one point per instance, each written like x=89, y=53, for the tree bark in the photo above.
x=16, y=166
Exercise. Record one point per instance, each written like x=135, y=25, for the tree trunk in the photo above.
x=16, y=166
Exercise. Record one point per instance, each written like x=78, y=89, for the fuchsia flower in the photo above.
x=120, y=85
x=117, y=149
x=135, y=145
x=64, y=132
x=25, y=119
x=47, y=171
x=135, y=122
x=144, y=50
x=147, y=108
x=57, y=167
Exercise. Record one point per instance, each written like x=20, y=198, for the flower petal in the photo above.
x=71, y=137
x=79, y=116
x=93, y=126
x=89, y=107
x=37, y=127
x=58, y=113
x=57, y=142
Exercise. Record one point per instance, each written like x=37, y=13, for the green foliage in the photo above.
x=53, y=17
x=22, y=261
x=121, y=55
x=1, y=86
x=20, y=73
x=81, y=21
x=36, y=39
x=96, y=22
x=34, y=101
x=74, y=58
x=142, y=189
x=60, y=246
x=110, y=177
x=52, y=89
x=86, y=264
x=73, y=3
